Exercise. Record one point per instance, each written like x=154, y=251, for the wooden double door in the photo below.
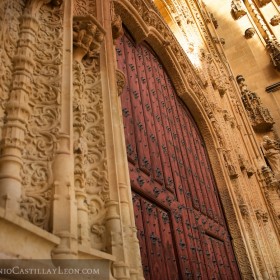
x=181, y=227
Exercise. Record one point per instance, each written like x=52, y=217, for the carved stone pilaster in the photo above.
x=260, y=117
x=18, y=110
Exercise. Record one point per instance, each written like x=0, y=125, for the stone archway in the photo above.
x=146, y=24
x=181, y=227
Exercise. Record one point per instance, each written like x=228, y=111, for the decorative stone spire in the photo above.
x=260, y=117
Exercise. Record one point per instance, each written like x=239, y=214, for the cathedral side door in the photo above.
x=180, y=223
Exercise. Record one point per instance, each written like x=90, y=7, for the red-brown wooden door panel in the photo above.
x=181, y=227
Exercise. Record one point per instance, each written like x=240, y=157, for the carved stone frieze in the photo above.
x=260, y=117
x=237, y=9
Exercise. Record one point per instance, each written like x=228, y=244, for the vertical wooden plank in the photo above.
x=153, y=239
x=128, y=119
x=168, y=245
x=154, y=83
x=143, y=151
x=141, y=235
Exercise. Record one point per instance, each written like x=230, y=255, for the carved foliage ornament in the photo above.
x=90, y=173
x=44, y=122
x=84, y=7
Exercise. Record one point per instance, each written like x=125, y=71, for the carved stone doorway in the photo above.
x=181, y=226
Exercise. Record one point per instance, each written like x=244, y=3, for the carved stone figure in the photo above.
x=274, y=52
x=260, y=117
x=275, y=20
x=87, y=37
x=237, y=9
x=83, y=33
x=271, y=150
x=117, y=30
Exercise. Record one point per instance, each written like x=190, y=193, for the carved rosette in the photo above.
x=260, y=117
